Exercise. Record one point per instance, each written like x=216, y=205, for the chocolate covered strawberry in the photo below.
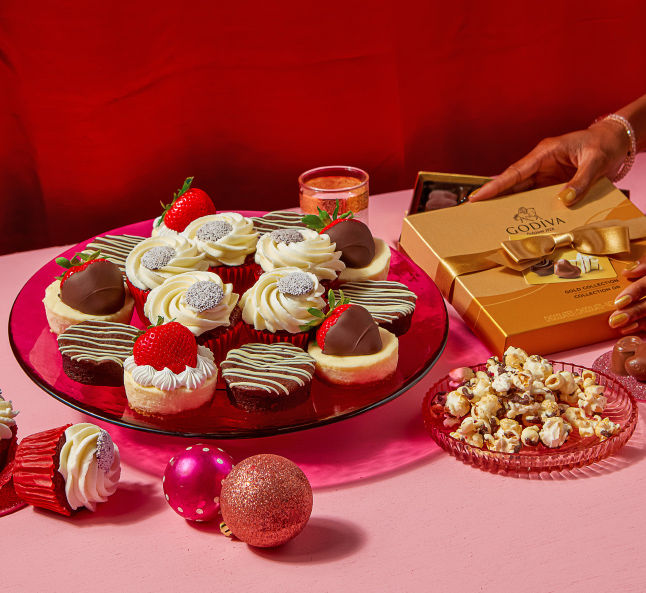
x=346, y=330
x=189, y=203
x=351, y=237
x=168, y=345
x=91, y=284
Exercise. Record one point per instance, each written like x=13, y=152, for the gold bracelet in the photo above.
x=632, y=151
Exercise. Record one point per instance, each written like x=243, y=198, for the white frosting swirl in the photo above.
x=169, y=302
x=162, y=229
x=7, y=415
x=90, y=464
x=234, y=247
x=266, y=308
x=191, y=378
x=315, y=254
x=187, y=258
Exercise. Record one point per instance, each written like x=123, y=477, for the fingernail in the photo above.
x=567, y=196
x=629, y=328
x=631, y=266
x=474, y=192
x=617, y=320
x=622, y=301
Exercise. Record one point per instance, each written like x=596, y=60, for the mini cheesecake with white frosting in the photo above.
x=268, y=377
x=8, y=429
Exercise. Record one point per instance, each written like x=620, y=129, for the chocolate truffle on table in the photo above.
x=92, y=288
x=624, y=349
x=268, y=377
x=94, y=351
x=351, y=350
x=390, y=303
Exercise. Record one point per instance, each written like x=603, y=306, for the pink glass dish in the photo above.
x=36, y=350
x=575, y=452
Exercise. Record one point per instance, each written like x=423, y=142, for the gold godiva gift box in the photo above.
x=526, y=271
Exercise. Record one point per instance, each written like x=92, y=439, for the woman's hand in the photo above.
x=630, y=316
x=578, y=158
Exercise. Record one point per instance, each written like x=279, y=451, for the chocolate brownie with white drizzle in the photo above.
x=268, y=377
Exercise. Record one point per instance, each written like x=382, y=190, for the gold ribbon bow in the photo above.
x=591, y=239
x=608, y=237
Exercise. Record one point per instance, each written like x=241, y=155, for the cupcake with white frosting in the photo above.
x=278, y=305
x=228, y=241
x=299, y=248
x=154, y=260
x=67, y=468
x=204, y=304
x=8, y=429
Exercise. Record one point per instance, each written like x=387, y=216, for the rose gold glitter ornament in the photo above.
x=266, y=500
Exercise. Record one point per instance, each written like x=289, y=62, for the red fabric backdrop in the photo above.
x=105, y=108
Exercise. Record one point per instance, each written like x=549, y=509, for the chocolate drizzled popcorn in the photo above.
x=157, y=257
x=104, y=451
x=286, y=236
x=214, y=230
x=204, y=295
x=295, y=284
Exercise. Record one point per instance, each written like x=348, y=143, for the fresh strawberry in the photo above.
x=323, y=329
x=80, y=262
x=166, y=345
x=324, y=221
x=188, y=204
x=320, y=318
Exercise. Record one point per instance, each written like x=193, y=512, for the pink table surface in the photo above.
x=392, y=511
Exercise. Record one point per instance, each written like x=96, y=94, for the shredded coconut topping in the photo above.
x=296, y=284
x=157, y=257
x=286, y=236
x=204, y=295
x=104, y=451
x=213, y=230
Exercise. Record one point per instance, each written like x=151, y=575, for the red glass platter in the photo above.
x=36, y=350
x=575, y=452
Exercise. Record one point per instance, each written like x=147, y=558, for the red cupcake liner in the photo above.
x=266, y=337
x=140, y=297
x=9, y=500
x=221, y=343
x=242, y=277
x=35, y=474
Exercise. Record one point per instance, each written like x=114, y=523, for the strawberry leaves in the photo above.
x=78, y=260
x=323, y=219
x=320, y=317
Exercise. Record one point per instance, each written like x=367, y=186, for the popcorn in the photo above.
x=456, y=404
x=524, y=402
x=555, y=432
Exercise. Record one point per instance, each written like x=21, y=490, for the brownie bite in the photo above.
x=390, y=303
x=278, y=219
x=268, y=377
x=94, y=351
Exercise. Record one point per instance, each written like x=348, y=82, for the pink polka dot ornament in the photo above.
x=193, y=481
